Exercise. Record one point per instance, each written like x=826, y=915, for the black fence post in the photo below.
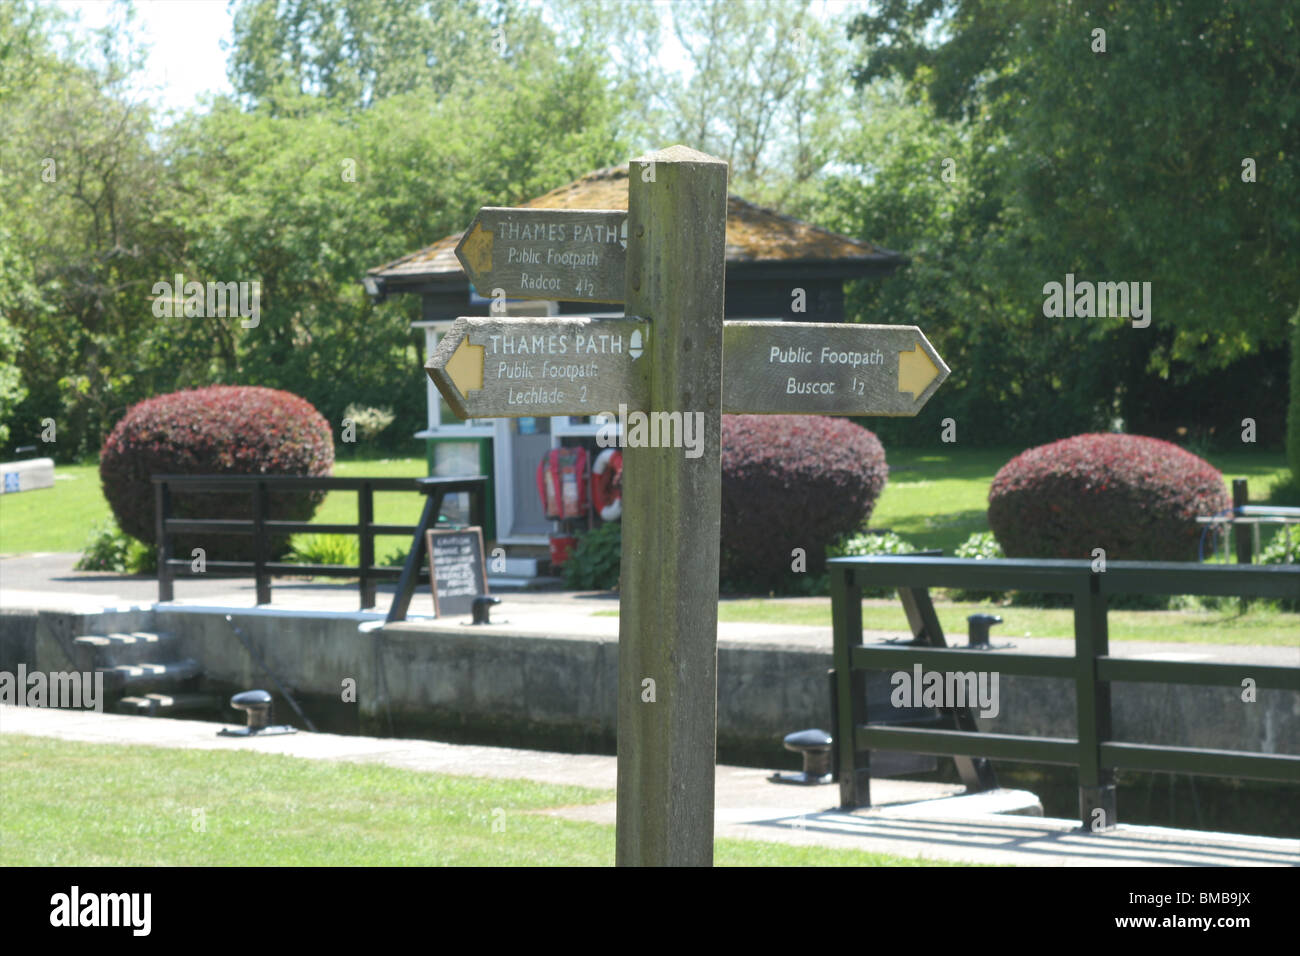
x=366, y=518
x=1097, y=807
x=833, y=680
x=850, y=695
x=1241, y=498
x=478, y=507
x=261, y=543
x=162, y=506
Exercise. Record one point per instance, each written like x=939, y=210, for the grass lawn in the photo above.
x=1260, y=626
x=61, y=518
x=136, y=806
x=934, y=499
x=54, y=519
x=391, y=507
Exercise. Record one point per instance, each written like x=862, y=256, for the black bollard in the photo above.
x=978, y=630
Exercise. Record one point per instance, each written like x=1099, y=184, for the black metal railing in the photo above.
x=1094, y=751
x=261, y=528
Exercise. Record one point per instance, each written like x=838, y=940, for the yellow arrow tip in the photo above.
x=915, y=371
x=465, y=367
x=475, y=251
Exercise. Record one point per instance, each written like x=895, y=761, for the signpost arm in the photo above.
x=667, y=731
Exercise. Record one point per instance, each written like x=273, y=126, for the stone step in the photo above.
x=147, y=676
x=108, y=650
x=168, y=705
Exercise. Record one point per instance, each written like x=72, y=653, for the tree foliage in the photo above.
x=1129, y=163
x=1002, y=153
x=322, y=168
x=986, y=141
x=353, y=54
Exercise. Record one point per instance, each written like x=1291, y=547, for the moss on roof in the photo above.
x=754, y=234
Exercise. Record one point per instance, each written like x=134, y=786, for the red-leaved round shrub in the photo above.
x=220, y=430
x=792, y=481
x=1137, y=498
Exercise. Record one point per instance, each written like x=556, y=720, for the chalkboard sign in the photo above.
x=457, y=568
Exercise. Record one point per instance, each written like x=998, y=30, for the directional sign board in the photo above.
x=521, y=368
x=571, y=255
x=569, y=365
x=812, y=368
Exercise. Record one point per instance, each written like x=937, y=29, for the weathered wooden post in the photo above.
x=668, y=618
x=664, y=362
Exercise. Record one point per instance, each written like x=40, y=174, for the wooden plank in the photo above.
x=671, y=519
x=571, y=255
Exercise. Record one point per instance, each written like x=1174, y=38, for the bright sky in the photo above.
x=185, y=37
x=185, y=45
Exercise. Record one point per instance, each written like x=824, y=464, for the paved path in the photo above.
x=912, y=819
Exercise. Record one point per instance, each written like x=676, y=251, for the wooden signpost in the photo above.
x=665, y=259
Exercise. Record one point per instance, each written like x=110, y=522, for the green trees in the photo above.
x=362, y=131
x=353, y=54
x=1125, y=141
x=81, y=235
x=999, y=145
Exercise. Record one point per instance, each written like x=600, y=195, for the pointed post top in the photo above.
x=679, y=154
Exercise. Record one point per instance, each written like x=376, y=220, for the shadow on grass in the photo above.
x=912, y=465
x=944, y=531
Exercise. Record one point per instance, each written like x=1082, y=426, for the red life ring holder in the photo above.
x=607, y=484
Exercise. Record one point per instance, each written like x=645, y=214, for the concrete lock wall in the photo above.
x=425, y=678
x=43, y=639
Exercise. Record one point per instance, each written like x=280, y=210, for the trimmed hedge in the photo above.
x=220, y=430
x=1136, y=497
x=792, y=481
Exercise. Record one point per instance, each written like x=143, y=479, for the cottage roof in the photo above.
x=755, y=237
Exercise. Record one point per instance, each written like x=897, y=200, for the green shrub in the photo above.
x=1284, y=548
x=595, y=561
x=982, y=545
x=105, y=549
x=141, y=558
x=110, y=549
x=325, y=549
x=367, y=421
x=866, y=543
